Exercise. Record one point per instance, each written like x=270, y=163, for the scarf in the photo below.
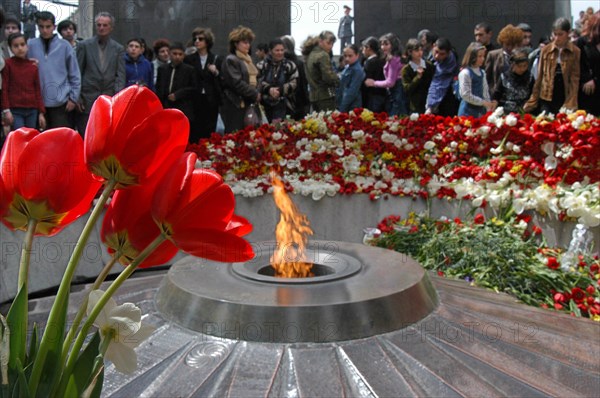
x=252, y=71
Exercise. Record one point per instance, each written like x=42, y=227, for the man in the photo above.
x=483, y=35
x=527, y=33
x=440, y=100
x=345, y=30
x=427, y=40
x=28, y=19
x=58, y=70
x=102, y=65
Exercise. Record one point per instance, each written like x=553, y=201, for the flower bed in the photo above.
x=506, y=255
x=544, y=164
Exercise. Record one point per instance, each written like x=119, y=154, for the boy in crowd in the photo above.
x=11, y=25
x=176, y=82
x=59, y=72
x=138, y=70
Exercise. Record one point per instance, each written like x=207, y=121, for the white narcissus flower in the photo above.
x=123, y=324
x=511, y=120
x=429, y=145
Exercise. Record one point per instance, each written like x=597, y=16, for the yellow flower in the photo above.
x=387, y=156
x=463, y=146
x=492, y=174
x=367, y=115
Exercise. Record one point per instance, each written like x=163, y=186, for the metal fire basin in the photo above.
x=357, y=291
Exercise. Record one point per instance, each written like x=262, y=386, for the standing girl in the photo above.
x=353, y=75
x=22, y=103
x=474, y=91
x=373, y=97
x=514, y=87
x=416, y=77
x=390, y=46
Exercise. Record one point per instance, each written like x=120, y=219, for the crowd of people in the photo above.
x=50, y=81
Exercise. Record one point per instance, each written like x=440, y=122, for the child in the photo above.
x=391, y=48
x=138, y=70
x=22, y=104
x=373, y=97
x=515, y=85
x=416, y=77
x=351, y=80
x=176, y=82
x=474, y=89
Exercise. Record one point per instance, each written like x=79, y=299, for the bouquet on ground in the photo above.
x=162, y=202
x=506, y=254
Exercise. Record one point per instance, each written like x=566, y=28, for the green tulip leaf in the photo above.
x=83, y=372
x=17, y=322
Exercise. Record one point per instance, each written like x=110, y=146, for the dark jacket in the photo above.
x=373, y=68
x=184, y=87
x=236, y=87
x=139, y=72
x=416, y=87
x=206, y=82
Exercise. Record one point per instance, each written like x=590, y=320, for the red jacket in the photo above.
x=21, y=85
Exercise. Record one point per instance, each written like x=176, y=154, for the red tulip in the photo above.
x=194, y=209
x=128, y=227
x=130, y=136
x=44, y=178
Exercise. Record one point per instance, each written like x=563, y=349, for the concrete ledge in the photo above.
x=339, y=218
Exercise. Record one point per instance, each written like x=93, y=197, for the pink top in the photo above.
x=391, y=71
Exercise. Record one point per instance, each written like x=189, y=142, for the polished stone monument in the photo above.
x=175, y=19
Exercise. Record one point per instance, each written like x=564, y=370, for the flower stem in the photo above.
x=100, y=305
x=26, y=253
x=57, y=315
x=82, y=308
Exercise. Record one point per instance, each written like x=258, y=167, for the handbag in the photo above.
x=252, y=116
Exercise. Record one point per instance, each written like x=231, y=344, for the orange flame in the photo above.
x=291, y=234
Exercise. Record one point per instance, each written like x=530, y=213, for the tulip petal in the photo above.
x=169, y=129
x=239, y=226
x=14, y=146
x=98, y=132
x=54, y=160
x=214, y=245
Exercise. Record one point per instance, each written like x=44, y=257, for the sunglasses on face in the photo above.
x=199, y=38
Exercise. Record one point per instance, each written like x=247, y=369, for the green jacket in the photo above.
x=321, y=77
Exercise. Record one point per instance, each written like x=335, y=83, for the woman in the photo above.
x=321, y=76
x=208, y=92
x=589, y=45
x=161, y=51
x=373, y=97
x=396, y=103
x=240, y=79
x=277, y=81
x=301, y=100
x=557, y=83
